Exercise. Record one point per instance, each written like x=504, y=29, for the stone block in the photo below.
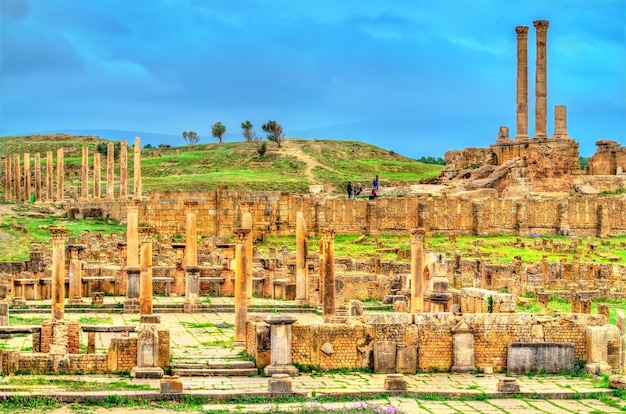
x=171, y=385
x=395, y=382
x=385, y=357
x=400, y=306
x=406, y=360
x=280, y=383
x=617, y=382
x=550, y=357
x=508, y=385
x=356, y=308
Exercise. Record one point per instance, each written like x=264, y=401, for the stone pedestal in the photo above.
x=508, y=385
x=192, y=303
x=147, y=353
x=463, y=349
x=171, y=384
x=131, y=303
x=281, y=345
x=76, y=280
x=395, y=382
x=280, y=384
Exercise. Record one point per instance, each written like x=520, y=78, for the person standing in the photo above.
x=375, y=183
x=349, y=190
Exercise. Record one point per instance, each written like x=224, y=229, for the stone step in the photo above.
x=209, y=372
x=214, y=365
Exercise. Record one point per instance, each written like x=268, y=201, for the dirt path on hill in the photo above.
x=295, y=149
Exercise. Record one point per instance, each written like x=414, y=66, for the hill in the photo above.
x=296, y=166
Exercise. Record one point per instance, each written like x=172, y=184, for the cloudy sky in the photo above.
x=415, y=76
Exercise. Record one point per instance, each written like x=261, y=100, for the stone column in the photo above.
x=49, y=177
x=192, y=302
x=123, y=170
x=302, y=270
x=328, y=300
x=59, y=235
x=133, y=270
x=145, y=283
x=241, y=305
x=8, y=185
x=417, y=269
x=38, y=194
x=560, y=122
x=84, y=175
x=280, y=335
x=137, y=169
x=76, y=277
x=17, y=178
x=27, y=178
x=522, y=83
x=247, y=208
x=60, y=175
x=110, y=171
x=97, y=182
x=541, y=80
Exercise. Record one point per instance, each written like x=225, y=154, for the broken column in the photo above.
x=133, y=270
x=97, y=182
x=8, y=189
x=38, y=177
x=137, y=168
x=76, y=279
x=328, y=239
x=49, y=177
x=560, y=122
x=84, y=175
x=60, y=174
x=302, y=271
x=417, y=269
x=110, y=171
x=17, y=178
x=59, y=235
x=541, y=80
x=27, y=178
x=192, y=302
x=247, y=208
x=145, y=281
x=522, y=83
x=241, y=305
x=280, y=339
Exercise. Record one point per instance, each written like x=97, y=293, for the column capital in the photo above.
x=76, y=248
x=58, y=233
x=191, y=205
x=146, y=233
x=522, y=31
x=247, y=206
x=541, y=25
x=328, y=234
x=241, y=235
x=133, y=204
x=417, y=235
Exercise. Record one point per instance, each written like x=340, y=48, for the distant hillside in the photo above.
x=295, y=166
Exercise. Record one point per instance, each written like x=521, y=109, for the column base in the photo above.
x=75, y=301
x=192, y=306
x=281, y=369
x=149, y=319
x=146, y=372
x=131, y=305
x=300, y=302
x=463, y=369
x=239, y=344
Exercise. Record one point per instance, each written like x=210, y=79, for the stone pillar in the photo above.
x=192, y=302
x=280, y=339
x=241, y=305
x=463, y=349
x=38, y=194
x=417, y=269
x=4, y=310
x=560, y=122
x=145, y=283
x=596, y=338
x=49, y=177
x=8, y=188
x=563, y=217
x=59, y=235
x=84, y=175
x=522, y=83
x=147, y=353
x=26, y=177
x=479, y=218
x=137, y=168
x=133, y=270
x=76, y=279
x=302, y=269
x=17, y=178
x=541, y=80
x=123, y=170
x=110, y=171
x=60, y=175
x=246, y=223
x=328, y=300
x=97, y=181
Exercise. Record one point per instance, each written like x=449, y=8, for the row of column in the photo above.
x=17, y=177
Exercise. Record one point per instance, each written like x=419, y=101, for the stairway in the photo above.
x=215, y=369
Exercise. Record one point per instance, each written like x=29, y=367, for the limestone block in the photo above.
x=327, y=348
x=508, y=385
x=620, y=320
x=395, y=382
x=388, y=318
x=617, y=382
x=384, y=357
x=406, y=360
x=400, y=306
x=603, y=309
x=280, y=383
x=171, y=385
x=551, y=357
x=596, y=343
x=356, y=308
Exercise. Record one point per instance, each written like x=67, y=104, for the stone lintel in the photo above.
x=280, y=319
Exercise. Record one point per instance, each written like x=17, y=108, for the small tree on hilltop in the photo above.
x=218, y=130
x=191, y=137
x=274, y=131
x=247, y=131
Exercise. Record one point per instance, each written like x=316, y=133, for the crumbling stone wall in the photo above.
x=609, y=159
x=486, y=301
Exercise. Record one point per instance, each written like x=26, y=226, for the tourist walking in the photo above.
x=349, y=190
x=375, y=183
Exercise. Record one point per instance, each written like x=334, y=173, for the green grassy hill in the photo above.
x=293, y=167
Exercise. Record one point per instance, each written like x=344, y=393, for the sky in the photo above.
x=418, y=77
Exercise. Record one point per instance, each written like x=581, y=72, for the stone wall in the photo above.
x=609, y=159
x=49, y=364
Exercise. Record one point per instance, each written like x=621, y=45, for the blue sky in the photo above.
x=416, y=77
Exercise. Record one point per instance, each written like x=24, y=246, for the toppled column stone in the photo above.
x=395, y=382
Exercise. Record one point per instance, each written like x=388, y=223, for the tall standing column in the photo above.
x=302, y=271
x=522, y=82
x=49, y=177
x=27, y=178
x=38, y=194
x=84, y=175
x=192, y=302
x=329, y=273
x=145, y=284
x=241, y=305
x=123, y=170
x=247, y=208
x=560, y=122
x=17, y=178
x=417, y=269
x=59, y=235
x=541, y=80
x=137, y=169
x=97, y=177
x=60, y=175
x=110, y=172
x=133, y=270
x=76, y=277
x=8, y=185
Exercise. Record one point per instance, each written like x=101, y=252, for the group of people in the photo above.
x=355, y=189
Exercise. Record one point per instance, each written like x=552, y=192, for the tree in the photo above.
x=274, y=131
x=218, y=130
x=247, y=131
x=261, y=149
x=191, y=137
